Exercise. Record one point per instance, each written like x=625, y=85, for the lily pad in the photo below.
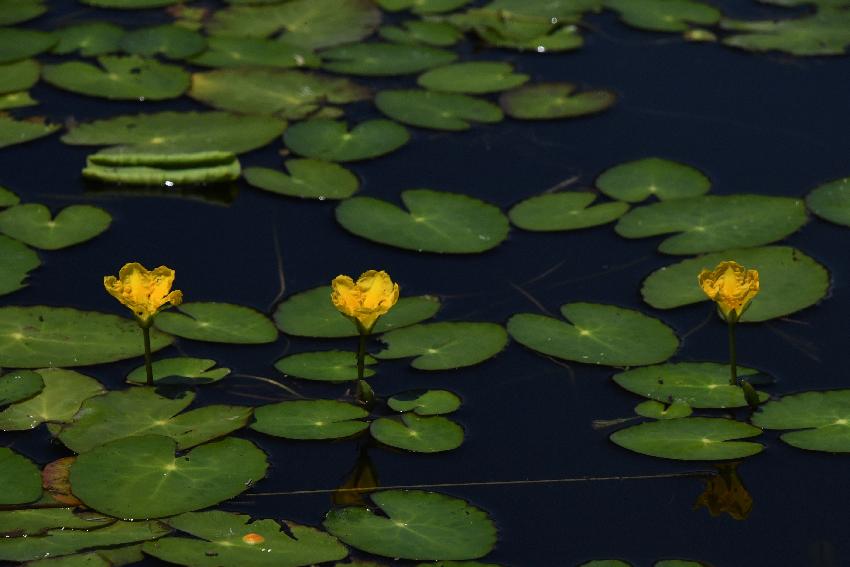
x=17, y=11
x=140, y=477
x=35, y=521
x=16, y=100
x=476, y=77
x=598, y=334
x=218, y=323
x=793, y=281
x=438, y=34
x=384, y=59
x=831, y=201
x=699, y=384
x=436, y=222
x=690, y=439
x=171, y=41
x=19, y=385
x=422, y=6
x=441, y=346
x=658, y=410
x=221, y=542
x=821, y=418
x=129, y=4
x=90, y=39
x=183, y=371
x=307, y=179
x=19, y=43
x=548, y=101
x=21, y=480
x=637, y=180
x=31, y=337
x=311, y=314
x=253, y=51
x=8, y=198
x=32, y=224
x=826, y=32
x=418, y=434
x=312, y=419
x=75, y=560
x=415, y=525
x=439, y=111
x=18, y=76
x=324, y=366
x=63, y=394
x=21, y=131
x=664, y=15
x=564, y=211
x=505, y=29
x=712, y=223
x=120, y=78
x=332, y=140
x=430, y=402
x=163, y=168
x=16, y=262
x=140, y=411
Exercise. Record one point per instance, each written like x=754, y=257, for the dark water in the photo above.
x=766, y=124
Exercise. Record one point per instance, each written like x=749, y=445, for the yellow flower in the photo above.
x=731, y=286
x=372, y=296
x=145, y=292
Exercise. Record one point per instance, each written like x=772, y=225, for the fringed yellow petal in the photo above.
x=365, y=301
x=143, y=291
x=731, y=286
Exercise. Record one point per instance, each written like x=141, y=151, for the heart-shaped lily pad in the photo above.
x=418, y=434
x=91, y=39
x=548, y=101
x=312, y=419
x=20, y=478
x=711, y=223
x=436, y=222
x=162, y=168
x=181, y=370
x=474, y=77
x=384, y=59
x=307, y=179
x=19, y=43
x=658, y=410
x=422, y=6
x=822, y=418
x=664, y=15
x=440, y=111
x=332, y=141
x=36, y=521
x=32, y=224
x=19, y=385
x=16, y=262
x=831, y=201
x=254, y=52
x=140, y=477
x=792, y=281
x=564, y=211
x=596, y=334
x=440, y=346
x=173, y=42
x=18, y=76
x=430, y=402
x=825, y=32
x=222, y=542
x=218, y=323
x=690, y=439
x=63, y=393
x=324, y=366
x=21, y=131
x=435, y=33
x=17, y=11
x=415, y=525
x=311, y=314
x=635, y=181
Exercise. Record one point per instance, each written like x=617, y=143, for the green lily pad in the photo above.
x=441, y=346
x=712, y=223
x=181, y=370
x=17, y=11
x=21, y=480
x=120, y=78
x=63, y=394
x=599, y=334
x=16, y=262
x=132, y=167
x=699, y=384
x=658, y=410
x=418, y=434
x=254, y=51
x=826, y=32
x=140, y=411
x=8, y=198
x=311, y=419
x=635, y=181
x=332, y=140
x=173, y=42
x=31, y=337
x=504, y=29
x=436, y=222
x=90, y=39
x=19, y=43
x=547, y=101
x=416, y=525
x=311, y=314
x=439, y=111
x=422, y=6
x=324, y=366
x=129, y=4
x=18, y=76
x=140, y=477
x=430, y=402
x=21, y=131
x=32, y=224
x=307, y=179
x=19, y=385
x=690, y=439
x=218, y=323
x=36, y=521
x=476, y=77
x=384, y=59
x=221, y=542
x=16, y=100
x=437, y=34
x=76, y=560
x=831, y=201
x=664, y=15
x=822, y=418
x=564, y=211
x=792, y=281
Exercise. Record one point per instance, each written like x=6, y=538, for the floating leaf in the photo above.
x=20, y=478
x=823, y=419
x=690, y=439
x=831, y=201
x=422, y=6
x=441, y=346
x=20, y=131
x=313, y=419
x=221, y=542
x=311, y=314
x=35, y=521
x=699, y=384
x=826, y=32
x=598, y=334
x=384, y=59
x=307, y=179
x=418, y=434
x=171, y=41
x=19, y=43
x=181, y=371
x=657, y=410
x=664, y=15
x=132, y=167
x=547, y=101
x=33, y=225
x=19, y=385
x=417, y=525
x=635, y=181
x=76, y=560
x=796, y=281
x=564, y=211
x=89, y=38
x=325, y=366
x=332, y=141
x=63, y=394
x=17, y=11
x=16, y=262
x=438, y=34
x=440, y=111
x=56, y=482
x=436, y=222
x=476, y=77
x=16, y=100
x=129, y=4
x=430, y=402
x=218, y=323
x=18, y=76
x=8, y=198
x=253, y=51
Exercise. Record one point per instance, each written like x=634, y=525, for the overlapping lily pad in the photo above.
x=20, y=43
x=430, y=402
x=21, y=131
x=564, y=211
x=416, y=525
x=145, y=167
x=307, y=179
x=16, y=100
x=330, y=140
x=20, y=478
x=173, y=42
x=436, y=33
x=384, y=59
x=826, y=32
x=596, y=334
x=181, y=370
x=19, y=385
x=664, y=15
x=831, y=201
x=637, y=180
x=440, y=111
x=796, y=281
x=431, y=434
x=548, y=101
x=218, y=323
x=16, y=262
x=90, y=39
x=440, y=346
x=17, y=11
x=63, y=394
x=311, y=419
x=18, y=76
x=474, y=77
x=422, y=6
x=690, y=439
x=35, y=521
x=822, y=420
x=324, y=366
x=658, y=410
x=32, y=224
x=254, y=51
x=436, y=222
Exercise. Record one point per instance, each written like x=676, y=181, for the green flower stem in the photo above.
x=365, y=395
x=146, y=333
x=733, y=357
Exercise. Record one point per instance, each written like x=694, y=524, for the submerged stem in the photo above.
x=733, y=357
x=146, y=333
x=365, y=395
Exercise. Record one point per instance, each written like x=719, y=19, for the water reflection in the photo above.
x=361, y=480
x=725, y=493
x=216, y=194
